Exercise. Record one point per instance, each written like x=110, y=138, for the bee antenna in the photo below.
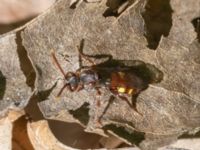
x=55, y=60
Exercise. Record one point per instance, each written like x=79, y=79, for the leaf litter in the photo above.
x=169, y=106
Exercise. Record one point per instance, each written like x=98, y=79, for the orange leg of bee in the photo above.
x=132, y=106
x=98, y=104
x=79, y=88
x=105, y=109
x=126, y=100
x=62, y=89
x=55, y=60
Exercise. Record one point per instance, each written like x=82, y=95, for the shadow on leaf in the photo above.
x=20, y=137
x=115, y=8
x=82, y=113
x=25, y=63
x=43, y=95
x=73, y=135
x=132, y=137
x=4, y=28
x=2, y=85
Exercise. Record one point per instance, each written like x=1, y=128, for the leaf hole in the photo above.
x=115, y=8
x=158, y=21
x=196, y=25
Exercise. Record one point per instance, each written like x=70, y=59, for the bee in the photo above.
x=121, y=81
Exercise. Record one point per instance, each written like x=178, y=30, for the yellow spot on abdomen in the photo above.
x=125, y=90
x=130, y=91
x=121, y=89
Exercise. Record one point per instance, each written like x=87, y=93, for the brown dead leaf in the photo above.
x=169, y=108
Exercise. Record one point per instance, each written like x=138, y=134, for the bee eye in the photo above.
x=73, y=81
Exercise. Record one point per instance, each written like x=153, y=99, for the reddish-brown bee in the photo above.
x=120, y=81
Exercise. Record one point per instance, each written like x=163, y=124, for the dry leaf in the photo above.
x=157, y=37
x=16, y=73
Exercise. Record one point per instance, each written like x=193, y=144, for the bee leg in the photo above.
x=111, y=99
x=62, y=89
x=98, y=118
x=98, y=91
x=100, y=115
x=79, y=87
x=132, y=106
x=98, y=105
